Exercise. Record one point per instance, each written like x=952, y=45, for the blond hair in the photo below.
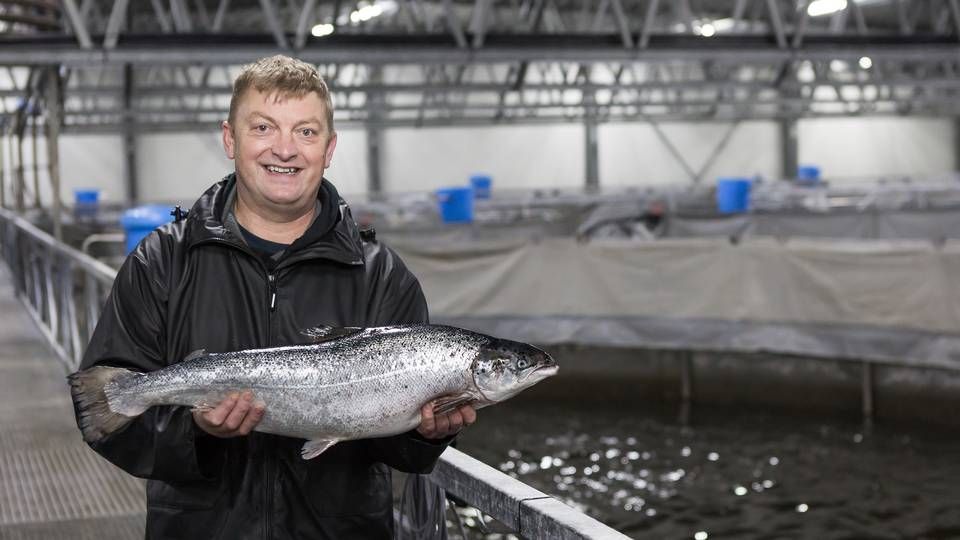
x=287, y=77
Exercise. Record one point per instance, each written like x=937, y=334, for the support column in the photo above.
x=374, y=179
x=591, y=152
x=36, y=159
x=789, y=148
x=956, y=143
x=17, y=157
x=53, y=146
x=374, y=135
x=3, y=168
x=129, y=137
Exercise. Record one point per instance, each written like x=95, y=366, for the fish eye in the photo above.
x=522, y=363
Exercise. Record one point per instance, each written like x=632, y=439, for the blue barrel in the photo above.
x=482, y=184
x=140, y=221
x=733, y=194
x=456, y=204
x=808, y=174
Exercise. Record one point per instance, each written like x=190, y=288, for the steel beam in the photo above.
x=273, y=22
x=159, y=53
x=78, y=24
x=117, y=16
x=304, y=23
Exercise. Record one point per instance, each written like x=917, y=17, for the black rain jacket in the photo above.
x=194, y=284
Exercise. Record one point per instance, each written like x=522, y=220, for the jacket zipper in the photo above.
x=268, y=478
x=272, y=281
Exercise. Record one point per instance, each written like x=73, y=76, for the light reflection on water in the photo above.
x=728, y=474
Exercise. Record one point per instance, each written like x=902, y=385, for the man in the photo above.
x=263, y=254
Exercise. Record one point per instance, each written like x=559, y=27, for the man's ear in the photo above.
x=228, y=140
x=331, y=147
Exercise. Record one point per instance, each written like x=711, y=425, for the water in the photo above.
x=728, y=474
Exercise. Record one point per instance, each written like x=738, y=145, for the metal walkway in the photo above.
x=51, y=485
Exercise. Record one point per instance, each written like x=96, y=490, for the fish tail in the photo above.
x=98, y=412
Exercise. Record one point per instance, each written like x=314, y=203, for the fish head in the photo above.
x=504, y=368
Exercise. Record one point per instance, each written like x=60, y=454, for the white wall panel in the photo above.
x=870, y=147
x=86, y=161
x=178, y=167
x=515, y=156
x=631, y=154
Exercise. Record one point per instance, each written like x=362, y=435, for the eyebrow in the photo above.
x=255, y=114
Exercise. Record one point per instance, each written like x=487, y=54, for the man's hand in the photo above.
x=444, y=425
x=236, y=415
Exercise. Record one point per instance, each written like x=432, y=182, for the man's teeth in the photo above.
x=282, y=170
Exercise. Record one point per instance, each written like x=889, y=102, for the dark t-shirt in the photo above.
x=269, y=251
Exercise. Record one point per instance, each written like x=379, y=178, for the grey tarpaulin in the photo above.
x=866, y=300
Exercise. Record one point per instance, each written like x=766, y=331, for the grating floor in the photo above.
x=52, y=486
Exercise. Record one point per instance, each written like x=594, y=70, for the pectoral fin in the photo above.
x=445, y=404
x=315, y=447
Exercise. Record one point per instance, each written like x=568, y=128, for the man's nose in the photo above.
x=284, y=146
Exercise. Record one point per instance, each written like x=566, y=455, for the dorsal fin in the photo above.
x=320, y=334
x=196, y=355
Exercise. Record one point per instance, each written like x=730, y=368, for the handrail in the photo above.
x=528, y=511
x=52, y=278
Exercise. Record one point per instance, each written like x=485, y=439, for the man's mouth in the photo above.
x=282, y=170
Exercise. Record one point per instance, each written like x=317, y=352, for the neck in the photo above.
x=282, y=228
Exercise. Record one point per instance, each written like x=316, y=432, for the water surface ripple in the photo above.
x=729, y=474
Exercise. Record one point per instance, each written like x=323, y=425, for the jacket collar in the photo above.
x=335, y=239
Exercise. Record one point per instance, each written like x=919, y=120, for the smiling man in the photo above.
x=269, y=250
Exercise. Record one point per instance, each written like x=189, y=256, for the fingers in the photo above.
x=215, y=417
x=469, y=415
x=428, y=424
x=252, y=419
x=433, y=426
x=237, y=414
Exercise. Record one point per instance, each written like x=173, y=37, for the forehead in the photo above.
x=277, y=105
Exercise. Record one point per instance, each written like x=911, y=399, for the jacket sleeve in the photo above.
x=398, y=299
x=163, y=442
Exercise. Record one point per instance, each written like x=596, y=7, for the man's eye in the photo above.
x=262, y=128
x=308, y=132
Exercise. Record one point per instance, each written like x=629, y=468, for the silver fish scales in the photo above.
x=352, y=383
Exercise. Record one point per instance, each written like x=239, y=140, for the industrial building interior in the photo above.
x=734, y=223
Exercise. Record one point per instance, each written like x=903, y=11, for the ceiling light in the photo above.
x=321, y=30
x=825, y=7
x=866, y=62
x=707, y=30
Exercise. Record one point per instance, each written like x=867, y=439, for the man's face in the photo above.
x=280, y=147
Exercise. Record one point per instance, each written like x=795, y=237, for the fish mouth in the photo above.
x=548, y=371
x=542, y=372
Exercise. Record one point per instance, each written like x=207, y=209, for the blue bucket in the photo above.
x=733, y=194
x=482, y=185
x=86, y=202
x=456, y=204
x=140, y=221
x=808, y=174
x=86, y=197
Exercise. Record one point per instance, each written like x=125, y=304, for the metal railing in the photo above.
x=64, y=290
